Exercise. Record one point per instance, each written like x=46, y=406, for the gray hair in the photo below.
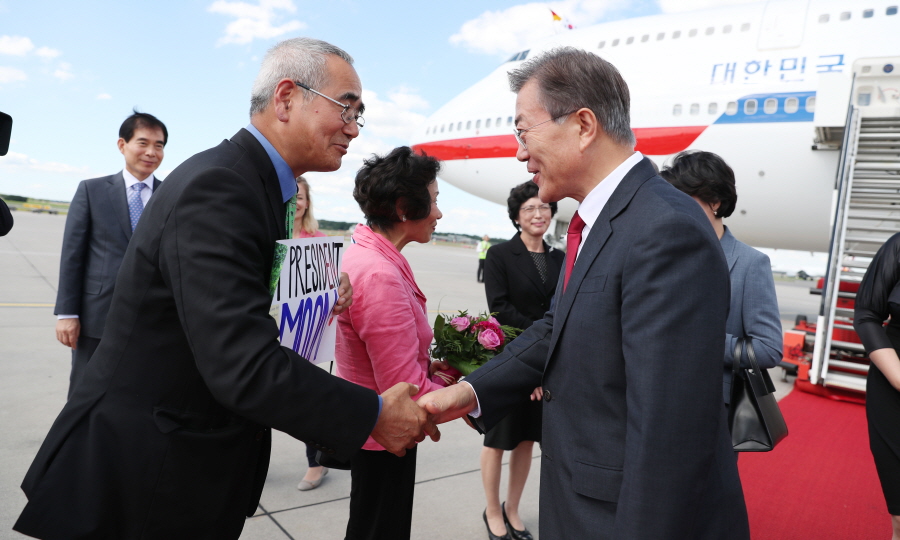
x=299, y=59
x=569, y=78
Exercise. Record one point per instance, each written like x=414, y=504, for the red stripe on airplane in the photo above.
x=650, y=141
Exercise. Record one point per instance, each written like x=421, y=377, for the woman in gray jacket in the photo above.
x=753, y=314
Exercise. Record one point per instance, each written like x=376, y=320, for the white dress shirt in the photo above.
x=589, y=210
x=130, y=180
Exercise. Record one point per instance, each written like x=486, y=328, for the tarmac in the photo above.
x=34, y=371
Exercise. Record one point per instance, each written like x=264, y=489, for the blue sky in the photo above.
x=70, y=72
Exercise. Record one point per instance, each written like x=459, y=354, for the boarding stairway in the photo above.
x=867, y=213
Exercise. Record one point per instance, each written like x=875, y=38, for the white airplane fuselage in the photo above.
x=738, y=81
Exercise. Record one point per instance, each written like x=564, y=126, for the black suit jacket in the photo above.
x=513, y=285
x=167, y=434
x=98, y=228
x=6, y=219
x=635, y=439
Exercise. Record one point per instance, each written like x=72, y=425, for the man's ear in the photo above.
x=282, y=99
x=588, y=127
x=121, y=144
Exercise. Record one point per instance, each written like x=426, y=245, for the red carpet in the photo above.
x=820, y=482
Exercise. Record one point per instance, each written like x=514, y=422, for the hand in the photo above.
x=538, y=394
x=67, y=331
x=345, y=295
x=449, y=403
x=437, y=365
x=402, y=424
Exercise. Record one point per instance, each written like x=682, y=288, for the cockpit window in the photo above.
x=519, y=56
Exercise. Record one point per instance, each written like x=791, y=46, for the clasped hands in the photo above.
x=403, y=423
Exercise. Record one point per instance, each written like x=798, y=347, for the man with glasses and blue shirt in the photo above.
x=168, y=434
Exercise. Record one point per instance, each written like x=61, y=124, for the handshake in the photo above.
x=403, y=422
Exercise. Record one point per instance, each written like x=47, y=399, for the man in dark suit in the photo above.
x=168, y=433
x=99, y=225
x=635, y=441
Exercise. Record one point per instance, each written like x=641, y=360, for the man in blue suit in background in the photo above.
x=101, y=219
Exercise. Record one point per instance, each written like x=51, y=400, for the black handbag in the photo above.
x=754, y=418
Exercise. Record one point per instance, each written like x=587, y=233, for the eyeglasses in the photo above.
x=527, y=210
x=346, y=115
x=519, y=132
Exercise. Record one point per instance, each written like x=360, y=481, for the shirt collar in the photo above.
x=285, y=174
x=130, y=180
x=593, y=204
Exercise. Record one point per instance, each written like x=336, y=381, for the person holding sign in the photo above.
x=168, y=434
x=384, y=338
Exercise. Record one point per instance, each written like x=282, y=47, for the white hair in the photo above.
x=299, y=59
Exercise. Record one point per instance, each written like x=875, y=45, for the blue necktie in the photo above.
x=135, y=204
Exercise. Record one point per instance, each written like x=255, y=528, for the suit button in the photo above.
x=547, y=395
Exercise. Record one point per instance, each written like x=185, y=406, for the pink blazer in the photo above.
x=304, y=234
x=384, y=337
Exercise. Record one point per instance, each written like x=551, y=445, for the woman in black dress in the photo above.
x=519, y=280
x=879, y=297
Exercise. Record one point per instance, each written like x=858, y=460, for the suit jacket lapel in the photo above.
x=729, y=243
x=552, y=270
x=597, y=238
x=118, y=200
x=267, y=176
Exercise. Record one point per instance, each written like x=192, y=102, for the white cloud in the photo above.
x=394, y=117
x=674, y=6
x=104, y=96
x=8, y=74
x=15, y=45
x=14, y=160
x=510, y=30
x=47, y=53
x=64, y=71
x=255, y=21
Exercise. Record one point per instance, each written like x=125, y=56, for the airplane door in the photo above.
x=783, y=24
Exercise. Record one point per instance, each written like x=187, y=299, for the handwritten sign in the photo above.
x=306, y=294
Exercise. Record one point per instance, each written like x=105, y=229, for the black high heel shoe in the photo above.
x=514, y=534
x=492, y=536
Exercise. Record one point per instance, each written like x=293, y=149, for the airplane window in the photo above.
x=459, y=126
x=695, y=108
x=692, y=33
x=676, y=110
x=660, y=36
x=750, y=106
x=791, y=105
x=745, y=27
x=710, y=30
x=731, y=108
x=823, y=18
x=513, y=57
x=487, y=123
x=477, y=124
x=469, y=124
x=713, y=108
x=450, y=127
x=427, y=130
x=644, y=38
x=892, y=10
x=770, y=106
x=727, y=29
x=864, y=98
x=867, y=14
x=629, y=41
x=497, y=123
x=676, y=34
x=602, y=44
x=524, y=54
x=509, y=120
x=811, y=104
x=845, y=16
x=442, y=128
x=615, y=42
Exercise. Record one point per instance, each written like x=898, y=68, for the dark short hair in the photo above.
x=402, y=176
x=706, y=176
x=570, y=79
x=517, y=197
x=140, y=120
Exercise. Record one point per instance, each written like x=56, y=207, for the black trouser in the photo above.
x=82, y=352
x=381, y=495
x=480, y=270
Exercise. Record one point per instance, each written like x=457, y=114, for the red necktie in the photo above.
x=573, y=240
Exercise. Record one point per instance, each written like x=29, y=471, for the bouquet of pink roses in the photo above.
x=466, y=343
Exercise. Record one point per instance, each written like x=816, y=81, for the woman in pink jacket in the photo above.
x=384, y=337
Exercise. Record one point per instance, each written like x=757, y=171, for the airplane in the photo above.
x=765, y=85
